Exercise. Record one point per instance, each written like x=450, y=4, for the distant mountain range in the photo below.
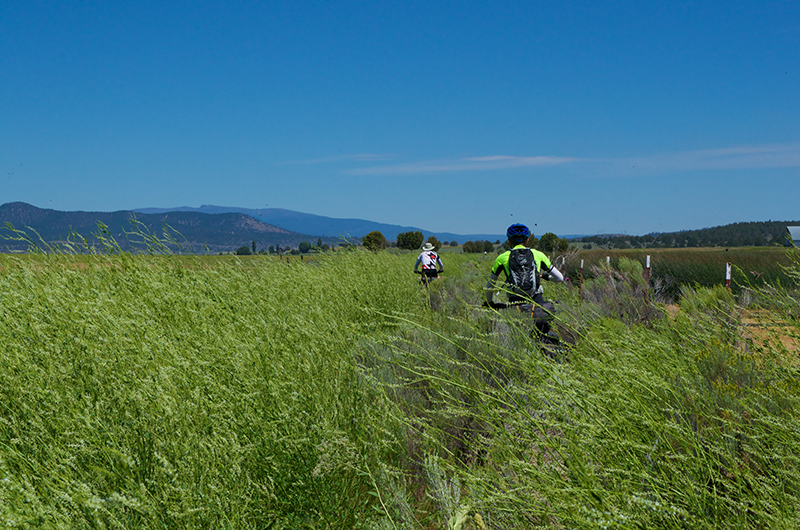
x=198, y=232
x=307, y=223
x=215, y=229
x=206, y=229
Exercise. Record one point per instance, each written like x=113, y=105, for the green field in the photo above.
x=220, y=392
x=751, y=266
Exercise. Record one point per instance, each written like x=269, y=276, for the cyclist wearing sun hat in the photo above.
x=429, y=260
x=523, y=267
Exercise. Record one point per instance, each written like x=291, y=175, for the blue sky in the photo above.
x=578, y=117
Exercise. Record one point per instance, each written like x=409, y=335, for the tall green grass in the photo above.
x=152, y=392
x=168, y=392
x=653, y=422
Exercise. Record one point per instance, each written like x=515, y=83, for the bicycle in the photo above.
x=425, y=279
x=549, y=341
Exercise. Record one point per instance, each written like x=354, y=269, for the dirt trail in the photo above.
x=770, y=330
x=761, y=326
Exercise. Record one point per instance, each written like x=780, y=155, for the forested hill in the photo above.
x=733, y=235
x=197, y=231
x=307, y=223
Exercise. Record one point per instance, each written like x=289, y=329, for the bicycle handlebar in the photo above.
x=503, y=305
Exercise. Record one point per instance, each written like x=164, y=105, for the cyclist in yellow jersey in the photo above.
x=523, y=268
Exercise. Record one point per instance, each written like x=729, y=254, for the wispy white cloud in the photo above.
x=742, y=157
x=482, y=163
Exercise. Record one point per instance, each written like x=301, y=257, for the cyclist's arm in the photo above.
x=553, y=274
x=490, y=287
x=419, y=260
x=497, y=267
x=439, y=262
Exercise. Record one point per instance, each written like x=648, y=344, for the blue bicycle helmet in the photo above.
x=517, y=231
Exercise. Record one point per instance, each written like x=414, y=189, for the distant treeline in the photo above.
x=752, y=234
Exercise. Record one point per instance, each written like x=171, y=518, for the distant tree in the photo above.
x=549, y=242
x=271, y=249
x=470, y=247
x=374, y=241
x=304, y=247
x=454, y=243
x=410, y=240
x=244, y=250
x=254, y=247
x=435, y=242
x=325, y=247
x=497, y=242
x=532, y=242
x=319, y=243
x=563, y=245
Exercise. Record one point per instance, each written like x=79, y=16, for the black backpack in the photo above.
x=522, y=268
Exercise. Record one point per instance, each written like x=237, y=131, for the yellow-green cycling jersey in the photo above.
x=501, y=264
x=542, y=262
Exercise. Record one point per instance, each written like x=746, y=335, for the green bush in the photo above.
x=410, y=240
x=435, y=242
x=374, y=241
